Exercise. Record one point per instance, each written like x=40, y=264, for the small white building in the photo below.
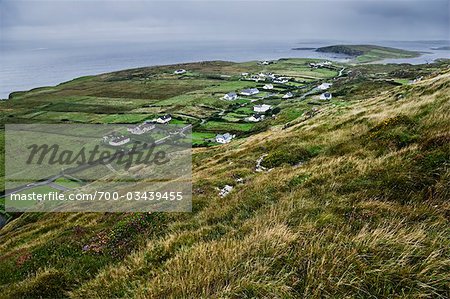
x=231, y=96
x=224, y=138
x=255, y=78
x=165, y=119
x=324, y=86
x=326, y=96
x=180, y=72
x=141, y=129
x=281, y=80
x=118, y=140
x=244, y=74
x=288, y=95
x=262, y=108
x=249, y=91
x=256, y=118
x=268, y=86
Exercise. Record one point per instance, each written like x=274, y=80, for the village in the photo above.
x=245, y=106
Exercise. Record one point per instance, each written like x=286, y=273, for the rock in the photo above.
x=225, y=190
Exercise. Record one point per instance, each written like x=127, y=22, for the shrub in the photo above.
x=292, y=156
x=393, y=133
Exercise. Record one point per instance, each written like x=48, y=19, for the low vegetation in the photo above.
x=353, y=203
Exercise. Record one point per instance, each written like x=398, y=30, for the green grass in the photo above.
x=125, y=118
x=355, y=205
x=198, y=138
x=217, y=126
x=67, y=183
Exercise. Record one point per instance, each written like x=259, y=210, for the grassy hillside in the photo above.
x=355, y=205
x=368, y=53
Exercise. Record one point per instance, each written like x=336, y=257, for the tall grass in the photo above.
x=357, y=208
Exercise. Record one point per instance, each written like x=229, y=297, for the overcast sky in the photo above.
x=89, y=21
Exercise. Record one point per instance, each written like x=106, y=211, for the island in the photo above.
x=441, y=48
x=368, y=53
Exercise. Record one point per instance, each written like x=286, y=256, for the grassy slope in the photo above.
x=369, y=53
x=356, y=206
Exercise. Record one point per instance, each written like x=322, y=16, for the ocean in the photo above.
x=24, y=66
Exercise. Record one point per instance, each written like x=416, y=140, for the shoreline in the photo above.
x=345, y=60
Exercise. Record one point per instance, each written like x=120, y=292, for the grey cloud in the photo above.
x=178, y=20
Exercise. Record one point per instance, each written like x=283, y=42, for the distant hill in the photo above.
x=441, y=48
x=368, y=53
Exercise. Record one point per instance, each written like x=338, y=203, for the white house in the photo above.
x=262, y=108
x=141, y=129
x=118, y=140
x=224, y=138
x=320, y=64
x=256, y=118
x=265, y=62
x=326, y=96
x=268, y=86
x=244, y=74
x=288, y=95
x=249, y=91
x=164, y=119
x=281, y=80
x=231, y=96
x=179, y=72
x=324, y=86
x=255, y=78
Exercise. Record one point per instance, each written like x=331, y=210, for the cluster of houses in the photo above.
x=270, y=77
x=266, y=62
x=323, y=87
x=141, y=129
x=325, y=95
x=116, y=139
x=320, y=64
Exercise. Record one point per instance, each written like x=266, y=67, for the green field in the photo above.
x=198, y=138
x=219, y=126
x=71, y=184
